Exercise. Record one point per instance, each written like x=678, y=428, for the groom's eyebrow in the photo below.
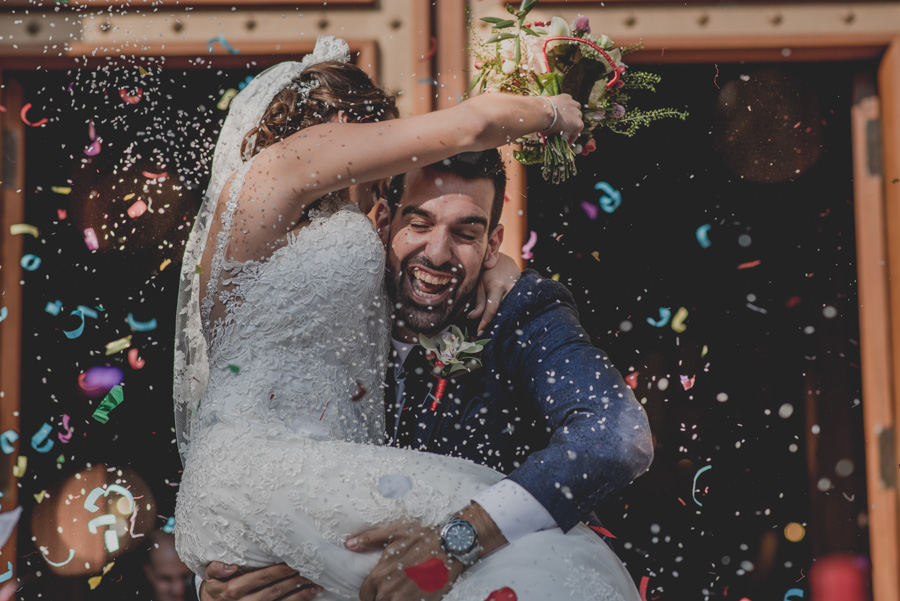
x=468, y=220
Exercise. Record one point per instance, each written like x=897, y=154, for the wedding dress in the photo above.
x=282, y=453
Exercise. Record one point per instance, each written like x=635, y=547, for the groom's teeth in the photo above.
x=430, y=279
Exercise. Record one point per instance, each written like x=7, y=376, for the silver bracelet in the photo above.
x=555, y=115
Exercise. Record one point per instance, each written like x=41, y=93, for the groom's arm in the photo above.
x=600, y=437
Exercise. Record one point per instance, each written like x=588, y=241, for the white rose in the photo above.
x=508, y=67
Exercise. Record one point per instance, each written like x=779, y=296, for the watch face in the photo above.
x=459, y=538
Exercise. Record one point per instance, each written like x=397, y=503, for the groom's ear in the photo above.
x=383, y=220
x=493, y=252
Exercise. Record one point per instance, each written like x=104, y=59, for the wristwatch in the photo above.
x=460, y=540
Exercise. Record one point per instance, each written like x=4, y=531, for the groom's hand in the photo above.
x=406, y=544
x=227, y=583
x=403, y=545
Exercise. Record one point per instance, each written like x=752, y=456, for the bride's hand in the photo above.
x=228, y=583
x=494, y=285
x=569, y=121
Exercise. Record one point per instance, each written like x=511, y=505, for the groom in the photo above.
x=545, y=407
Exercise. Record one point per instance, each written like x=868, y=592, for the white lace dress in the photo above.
x=284, y=464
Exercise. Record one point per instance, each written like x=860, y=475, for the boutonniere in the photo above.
x=449, y=354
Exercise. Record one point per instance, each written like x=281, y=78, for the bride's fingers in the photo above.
x=260, y=580
x=480, y=302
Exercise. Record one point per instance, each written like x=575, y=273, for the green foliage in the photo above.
x=636, y=118
x=640, y=80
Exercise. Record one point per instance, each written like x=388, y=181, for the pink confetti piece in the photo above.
x=64, y=438
x=61, y=213
x=526, y=249
x=645, y=580
x=90, y=239
x=25, y=120
x=149, y=175
x=687, y=382
x=603, y=531
x=591, y=209
x=131, y=99
x=134, y=360
x=94, y=149
x=749, y=264
x=137, y=209
x=631, y=380
x=503, y=594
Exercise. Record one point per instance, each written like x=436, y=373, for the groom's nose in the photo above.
x=439, y=249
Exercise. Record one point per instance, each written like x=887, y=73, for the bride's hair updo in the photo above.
x=327, y=88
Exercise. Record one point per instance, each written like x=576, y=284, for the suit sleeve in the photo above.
x=599, y=434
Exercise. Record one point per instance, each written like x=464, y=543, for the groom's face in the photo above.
x=438, y=244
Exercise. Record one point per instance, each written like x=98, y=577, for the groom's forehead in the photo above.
x=424, y=184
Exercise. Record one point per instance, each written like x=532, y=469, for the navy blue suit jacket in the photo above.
x=546, y=407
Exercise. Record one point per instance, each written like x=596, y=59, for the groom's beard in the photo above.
x=428, y=318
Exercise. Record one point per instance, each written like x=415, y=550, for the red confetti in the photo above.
x=25, y=120
x=643, y=588
x=431, y=50
x=61, y=213
x=131, y=99
x=430, y=576
x=682, y=501
x=793, y=302
x=137, y=209
x=503, y=594
x=149, y=175
x=603, y=531
x=687, y=382
x=360, y=392
x=631, y=380
x=133, y=359
x=715, y=81
x=749, y=264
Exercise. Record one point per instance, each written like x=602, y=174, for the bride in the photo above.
x=283, y=328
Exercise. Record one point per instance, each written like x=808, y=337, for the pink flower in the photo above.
x=590, y=147
x=618, y=111
x=582, y=24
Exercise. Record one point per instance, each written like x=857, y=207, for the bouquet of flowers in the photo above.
x=556, y=57
x=450, y=354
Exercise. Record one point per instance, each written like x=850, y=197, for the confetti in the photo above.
x=226, y=99
x=526, y=249
x=100, y=380
x=61, y=189
x=134, y=360
x=8, y=573
x=118, y=345
x=694, y=489
x=430, y=575
x=20, y=467
x=23, y=228
x=94, y=581
x=40, y=496
x=169, y=527
x=61, y=213
x=4, y=313
x=25, y=120
x=631, y=380
x=431, y=50
x=590, y=209
x=140, y=326
x=703, y=235
x=234, y=369
x=611, y=200
x=221, y=39
x=678, y=320
x=749, y=264
x=90, y=239
x=94, y=148
x=165, y=264
x=642, y=590
x=30, y=262
x=72, y=334
x=394, y=486
x=149, y=175
x=90, y=503
x=716, y=81
x=602, y=531
x=687, y=383
x=123, y=94
x=110, y=402
x=664, y=315
x=45, y=552
x=503, y=594
x=39, y=441
x=6, y=440
x=137, y=209
x=64, y=438
x=793, y=593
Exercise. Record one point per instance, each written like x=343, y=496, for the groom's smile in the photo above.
x=438, y=245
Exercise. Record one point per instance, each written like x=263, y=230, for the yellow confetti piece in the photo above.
x=678, y=320
x=143, y=71
x=61, y=189
x=118, y=345
x=226, y=99
x=40, y=496
x=165, y=264
x=596, y=255
x=23, y=228
x=704, y=351
x=129, y=196
x=555, y=277
x=198, y=270
x=21, y=466
x=94, y=581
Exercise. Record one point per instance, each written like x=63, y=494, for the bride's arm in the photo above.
x=333, y=156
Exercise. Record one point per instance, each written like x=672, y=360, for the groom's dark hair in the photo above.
x=486, y=164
